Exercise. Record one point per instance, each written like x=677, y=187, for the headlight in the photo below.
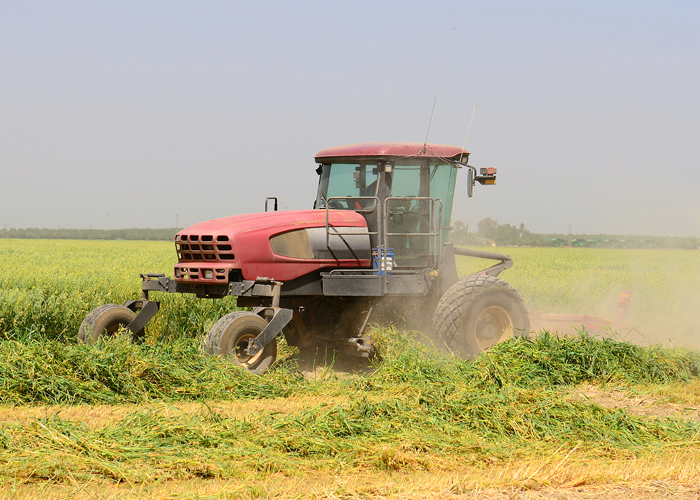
x=208, y=274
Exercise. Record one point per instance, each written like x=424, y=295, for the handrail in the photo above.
x=381, y=209
x=435, y=229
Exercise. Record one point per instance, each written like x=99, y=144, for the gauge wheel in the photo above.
x=229, y=337
x=105, y=321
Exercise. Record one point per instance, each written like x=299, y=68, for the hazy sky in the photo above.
x=126, y=114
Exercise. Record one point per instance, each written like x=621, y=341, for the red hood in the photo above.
x=285, y=220
x=243, y=242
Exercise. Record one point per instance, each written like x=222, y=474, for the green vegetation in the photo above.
x=117, y=371
x=47, y=287
x=419, y=410
x=154, y=413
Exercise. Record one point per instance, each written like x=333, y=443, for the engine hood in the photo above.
x=244, y=242
x=285, y=220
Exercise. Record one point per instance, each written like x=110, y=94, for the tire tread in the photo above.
x=86, y=327
x=448, y=318
x=212, y=343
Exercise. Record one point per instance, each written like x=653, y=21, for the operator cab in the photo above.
x=403, y=190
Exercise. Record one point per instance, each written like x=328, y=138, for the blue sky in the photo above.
x=132, y=113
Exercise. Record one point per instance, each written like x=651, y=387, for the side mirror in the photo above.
x=470, y=182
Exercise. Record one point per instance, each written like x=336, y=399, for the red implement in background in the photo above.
x=568, y=324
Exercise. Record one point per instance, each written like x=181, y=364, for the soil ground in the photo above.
x=644, y=406
x=655, y=490
x=567, y=478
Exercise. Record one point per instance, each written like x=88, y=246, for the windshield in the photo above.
x=346, y=182
x=414, y=177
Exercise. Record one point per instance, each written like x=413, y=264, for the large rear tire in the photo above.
x=105, y=321
x=230, y=335
x=476, y=313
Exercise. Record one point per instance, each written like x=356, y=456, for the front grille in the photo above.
x=194, y=273
x=191, y=248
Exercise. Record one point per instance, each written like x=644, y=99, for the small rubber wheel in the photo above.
x=476, y=313
x=105, y=321
x=230, y=337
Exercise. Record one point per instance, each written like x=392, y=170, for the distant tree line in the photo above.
x=490, y=231
x=165, y=234
x=487, y=231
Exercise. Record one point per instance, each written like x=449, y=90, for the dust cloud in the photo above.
x=670, y=321
x=664, y=303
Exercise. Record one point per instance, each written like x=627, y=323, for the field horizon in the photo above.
x=503, y=234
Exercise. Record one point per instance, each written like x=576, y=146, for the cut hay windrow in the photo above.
x=549, y=360
x=420, y=410
x=433, y=432
x=545, y=360
x=117, y=371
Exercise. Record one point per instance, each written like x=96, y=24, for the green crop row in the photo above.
x=47, y=287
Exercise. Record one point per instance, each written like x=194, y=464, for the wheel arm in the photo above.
x=495, y=270
x=279, y=320
x=261, y=287
x=146, y=310
x=469, y=252
x=156, y=282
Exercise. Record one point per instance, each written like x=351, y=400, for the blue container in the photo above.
x=383, y=261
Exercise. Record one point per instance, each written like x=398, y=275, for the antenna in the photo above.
x=429, y=123
x=468, y=129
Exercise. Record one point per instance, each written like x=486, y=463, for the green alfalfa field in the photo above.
x=616, y=412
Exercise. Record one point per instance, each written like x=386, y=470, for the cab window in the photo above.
x=343, y=185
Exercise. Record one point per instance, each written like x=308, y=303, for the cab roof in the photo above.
x=393, y=149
